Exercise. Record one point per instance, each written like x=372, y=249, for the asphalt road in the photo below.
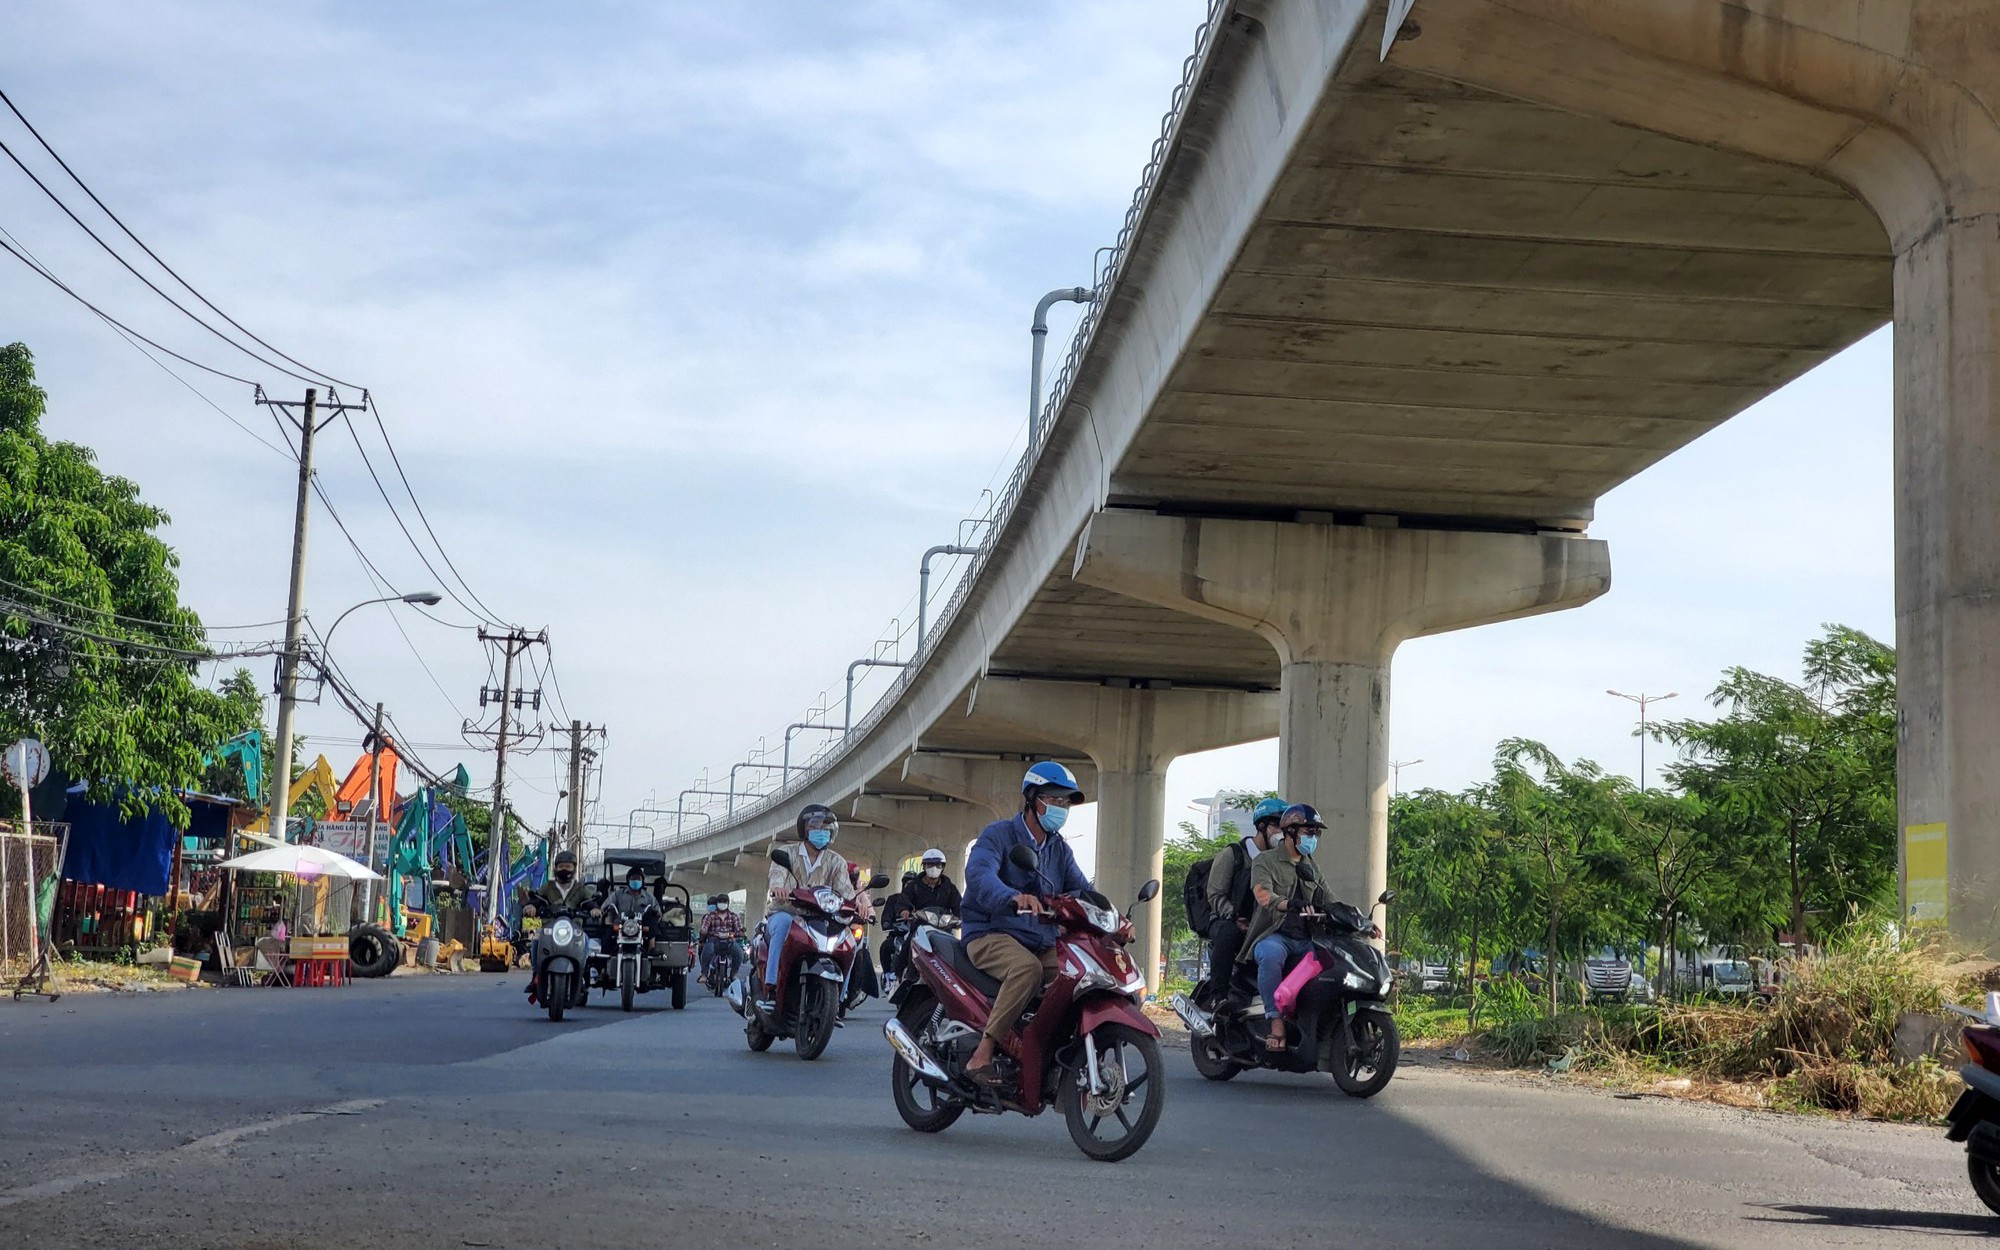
x=438, y=1112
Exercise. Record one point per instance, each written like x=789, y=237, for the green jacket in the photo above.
x=1300, y=882
x=576, y=896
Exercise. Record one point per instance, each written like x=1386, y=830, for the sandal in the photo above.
x=987, y=1077
x=1275, y=1043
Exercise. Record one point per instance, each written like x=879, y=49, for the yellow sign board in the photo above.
x=1924, y=877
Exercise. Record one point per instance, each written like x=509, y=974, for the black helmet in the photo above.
x=910, y=876
x=817, y=816
x=565, y=857
x=1301, y=815
x=718, y=898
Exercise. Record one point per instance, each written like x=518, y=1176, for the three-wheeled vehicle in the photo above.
x=634, y=956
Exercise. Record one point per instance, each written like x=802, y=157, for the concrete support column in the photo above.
x=1132, y=734
x=1336, y=601
x=922, y=823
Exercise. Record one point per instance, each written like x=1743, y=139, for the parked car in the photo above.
x=1727, y=978
x=1607, y=977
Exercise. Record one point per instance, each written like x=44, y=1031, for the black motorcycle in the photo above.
x=896, y=943
x=722, y=965
x=561, y=954
x=1340, y=1025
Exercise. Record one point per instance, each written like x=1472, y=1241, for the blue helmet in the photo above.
x=1267, y=809
x=1050, y=773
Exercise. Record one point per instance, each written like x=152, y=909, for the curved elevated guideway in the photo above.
x=1406, y=288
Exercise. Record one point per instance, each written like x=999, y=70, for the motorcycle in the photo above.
x=823, y=942
x=898, y=939
x=722, y=966
x=561, y=953
x=1084, y=1045
x=1975, y=1118
x=1340, y=1024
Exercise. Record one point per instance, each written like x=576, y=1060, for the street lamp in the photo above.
x=1642, y=700
x=427, y=598
x=1396, y=768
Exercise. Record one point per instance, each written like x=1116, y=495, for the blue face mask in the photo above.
x=635, y=886
x=1052, y=817
x=819, y=838
x=1308, y=843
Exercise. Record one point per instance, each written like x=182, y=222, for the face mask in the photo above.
x=565, y=877
x=1308, y=843
x=819, y=838
x=1054, y=817
x=712, y=907
x=722, y=907
x=635, y=885
x=933, y=873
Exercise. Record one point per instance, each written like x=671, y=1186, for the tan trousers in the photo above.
x=1021, y=972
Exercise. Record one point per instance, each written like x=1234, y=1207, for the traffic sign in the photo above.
x=26, y=762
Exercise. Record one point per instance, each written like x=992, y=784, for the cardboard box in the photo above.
x=184, y=969
x=319, y=948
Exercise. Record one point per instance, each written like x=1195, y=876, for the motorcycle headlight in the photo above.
x=1105, y=918
x=562, y=932
x=1360, y=983
x=629, y=929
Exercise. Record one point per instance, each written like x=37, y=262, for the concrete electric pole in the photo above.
x=279, y=785
x=512, y=644
x=580, y=757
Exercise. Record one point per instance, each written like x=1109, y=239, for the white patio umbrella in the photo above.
x=302, y=861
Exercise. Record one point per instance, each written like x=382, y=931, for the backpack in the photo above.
x=1194, y=891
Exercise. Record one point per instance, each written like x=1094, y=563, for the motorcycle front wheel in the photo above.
x=555, y=993
x=1363, y=1063
x=923, y=1106
x=1985, y=1182
x=1112, y=1122
x=627, y=988
x=819, y=1008
x=680, y=998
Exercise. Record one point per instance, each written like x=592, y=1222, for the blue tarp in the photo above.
x=107, y=849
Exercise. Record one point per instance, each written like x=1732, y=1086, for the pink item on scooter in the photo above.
x=1295, y=981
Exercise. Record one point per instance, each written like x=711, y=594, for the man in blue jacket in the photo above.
x=1006, y=933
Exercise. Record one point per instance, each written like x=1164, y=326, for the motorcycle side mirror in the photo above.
x=1149, y=891
x=781, y=859
x=880, y=881
x=1388, y=896
x=1024, y=857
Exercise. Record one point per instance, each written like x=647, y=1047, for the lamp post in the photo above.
x=924, y=584
x=732, y=782
x=1642, y=700
x=791, y=729
x=1396, y=768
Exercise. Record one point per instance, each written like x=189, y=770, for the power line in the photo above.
x=414, y=545
x=376, y=412
x=119, y=222
x=64, y=287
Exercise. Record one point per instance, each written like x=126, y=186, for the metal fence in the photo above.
x=29, y=861
x=1000, y=506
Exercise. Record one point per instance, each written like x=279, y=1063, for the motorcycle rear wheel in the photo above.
x=1118, y=1046
x=1985, y=1182
x=923, y=1106
x=754, y=1033
x=819, y=1008
x=555, y=992
x=1363, y=1066
x=1210, y=1061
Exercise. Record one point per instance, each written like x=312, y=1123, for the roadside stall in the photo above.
x=304, y=959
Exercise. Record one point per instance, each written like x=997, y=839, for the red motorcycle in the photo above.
x=1975, y=1118
x=825, y=937
x=1083, y=1045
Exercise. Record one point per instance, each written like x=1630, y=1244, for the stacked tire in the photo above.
x=372, y=951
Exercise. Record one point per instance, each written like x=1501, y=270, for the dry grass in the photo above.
x=1826, y=1043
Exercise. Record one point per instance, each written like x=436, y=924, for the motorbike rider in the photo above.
x=1229, y=897
x=719, y=927
x=1284, y=882
x=564, y=890
x=813, y=866
x=928, y=890
x=1006, y=933
x=633, y=900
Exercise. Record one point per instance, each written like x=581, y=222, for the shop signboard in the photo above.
x=350, y=837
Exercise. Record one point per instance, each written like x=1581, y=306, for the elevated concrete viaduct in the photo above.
x=1406, y=288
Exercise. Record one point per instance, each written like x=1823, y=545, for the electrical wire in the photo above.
x=381, y=490
x=119, y=222
x=375, y=411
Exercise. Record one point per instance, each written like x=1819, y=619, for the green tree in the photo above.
x=1181, y=854
x=95, y=647
x=1802, y=779
x=1457, y=881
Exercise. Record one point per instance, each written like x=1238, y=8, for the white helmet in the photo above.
x=933, y=856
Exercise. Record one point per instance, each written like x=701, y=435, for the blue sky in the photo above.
x=695, y=326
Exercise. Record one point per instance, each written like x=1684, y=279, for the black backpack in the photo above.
x=1194, y=892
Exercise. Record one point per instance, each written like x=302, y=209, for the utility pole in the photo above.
x=374, y=811
x=279, y=786
x=579, y=774
x=1396, y=768
x=512, y=644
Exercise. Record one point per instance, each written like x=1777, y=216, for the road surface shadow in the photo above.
x=1883, y=1219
